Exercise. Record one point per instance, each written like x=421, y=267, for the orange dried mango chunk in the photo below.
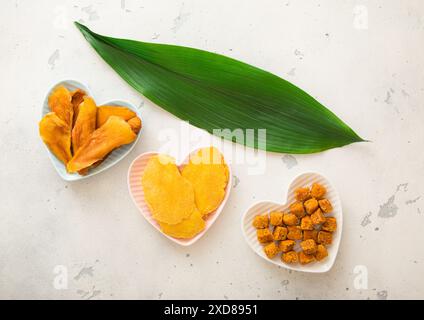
x=208, y=173
x=169, y=196
x=56, y=135
x=187, y=228
x=113, y=134
x=60, y=102
x=104, y=112
x=76, y=100
x=85, y=123
x=135, y=124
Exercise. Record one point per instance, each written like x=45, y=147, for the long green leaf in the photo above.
x=212, y=91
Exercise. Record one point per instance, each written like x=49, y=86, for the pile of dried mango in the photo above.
x=82, y=135
x=180, y=199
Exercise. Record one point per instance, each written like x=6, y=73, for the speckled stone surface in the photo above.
x=86, y=240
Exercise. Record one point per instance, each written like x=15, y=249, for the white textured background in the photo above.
x=369, y=72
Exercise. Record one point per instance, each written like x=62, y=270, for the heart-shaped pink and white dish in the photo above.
x=135, y=174
x=266, y=207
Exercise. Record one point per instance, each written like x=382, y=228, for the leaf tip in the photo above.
x=78, y=24
x=356, y=138
x=84, y=30
x=359, y=139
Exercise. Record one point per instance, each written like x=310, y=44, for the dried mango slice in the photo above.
x=60, y=102
x=113, y=134
x=135, y=124
x=169, y=196
x=104, y=112
x=208, y=173
x=57, y=136
x=85, y=123
x=186, y=229
x=76, y=100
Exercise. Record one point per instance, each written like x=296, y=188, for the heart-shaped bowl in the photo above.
x=135, y=172
x=113, y=158
x=262, y=207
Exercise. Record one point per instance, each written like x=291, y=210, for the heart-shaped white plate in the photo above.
x=113, y=158
x=135, y=173
x=305, y=179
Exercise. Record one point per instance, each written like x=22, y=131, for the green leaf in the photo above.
x=212, y=91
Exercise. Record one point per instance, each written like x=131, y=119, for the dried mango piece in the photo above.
x=170, y=197
x=57, y=136
x=135, y=124
x=85, y=123
x=84, y=171
x=104, y=112
x=60, y=102
x=76, y=100
x=186, y=229
x=208, y=174
x=113, y=134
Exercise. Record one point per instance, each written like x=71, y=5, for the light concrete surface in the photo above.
x=362, y=59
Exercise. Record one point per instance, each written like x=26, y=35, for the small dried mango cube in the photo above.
x=290, y=219
x=289, y=257
x=318, y=217
x=286, y=245
x=318, y=190
x=311, y=205
x=330, y=224
x=306, y=223
x=302, y=194
x=280, y=233
x=310, y=234
x=309, y=246
x=261, y=221
x=297, y=209
x=271, y=250
x=295, y=233
x=325, y=205
x=276, y=218
x=321, y=253
x=264, y=235
x=325, y=237
x=305, y=258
